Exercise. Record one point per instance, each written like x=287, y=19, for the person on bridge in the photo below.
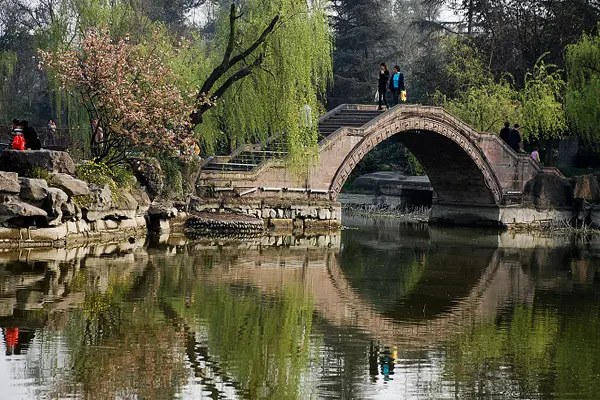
x=505, y=133
x=515, y=138
x=535, y=155
x=397, y=84
x=384, y=76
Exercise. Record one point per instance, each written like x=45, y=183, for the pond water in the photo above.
x=381, y=311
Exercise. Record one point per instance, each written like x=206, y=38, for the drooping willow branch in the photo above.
x=206, y=97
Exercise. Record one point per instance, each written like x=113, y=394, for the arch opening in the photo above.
x=453, y=171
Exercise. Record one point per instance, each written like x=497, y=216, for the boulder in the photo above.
x=69, y=210
x=53, y=205
x=124, y=206
x=548, y=191
x=21, y=161
x=33, y=189
x=585, y=187
x=149, y=174
x=143, y=200
x=162, y=210
x=71, y=186
x=370, y=183
x=9, y=182
x=21, y=214
x=99, y=204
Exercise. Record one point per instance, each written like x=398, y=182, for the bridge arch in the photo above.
x=448, y=149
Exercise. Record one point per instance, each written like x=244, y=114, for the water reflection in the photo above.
x=384, y=311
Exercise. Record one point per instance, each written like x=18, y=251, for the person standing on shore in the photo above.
x=384, y=76
x=397, y=84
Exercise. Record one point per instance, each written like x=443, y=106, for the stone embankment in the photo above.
x=286, y=215
x=60, y=208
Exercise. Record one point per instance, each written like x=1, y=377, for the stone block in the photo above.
x=586, y=187
x=324, y=214
x=163, y=210
x=49, y=234
x=9, y=182
x=111, y=224
x=99, y=225
x=53, y=205
x=33, y=189
x=164, y=226
x=128, y=224
x=16, y=212
x=548, y=191
x=22, y=161
x=71, y=227
x=71, y=186
x=82, y=226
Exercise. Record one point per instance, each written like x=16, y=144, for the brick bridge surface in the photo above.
x=465, y=167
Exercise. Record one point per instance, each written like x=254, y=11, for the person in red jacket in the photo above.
x=18, y=142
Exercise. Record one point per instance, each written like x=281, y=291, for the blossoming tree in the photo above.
x=130, y=95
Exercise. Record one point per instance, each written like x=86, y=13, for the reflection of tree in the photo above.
x=261, y=342
x=119, y=348
x=537, y=352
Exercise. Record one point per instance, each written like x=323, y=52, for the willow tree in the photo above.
x=478, y=98
x=287, y=72
x=583, y=88
x=543, y=115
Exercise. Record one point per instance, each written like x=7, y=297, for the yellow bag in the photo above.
x=403, y=95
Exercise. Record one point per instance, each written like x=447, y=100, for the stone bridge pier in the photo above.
x=478, y=179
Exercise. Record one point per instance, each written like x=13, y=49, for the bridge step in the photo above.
x=249, y=159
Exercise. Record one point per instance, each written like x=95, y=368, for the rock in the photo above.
x=162, y=210
x=548, y=191
x=100, y=203
x=53, y=205
x=370, y=183
x=70, y=185
x=142, y=199
x=22, y=161
x=33, y=189
x=21, y=214
x=586, y=188
x=9, y=182
x=68, y=210
x=125, y=201
x=149, y=174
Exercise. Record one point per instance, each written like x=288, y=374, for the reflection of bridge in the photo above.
x=465, y=167
x=341, y=305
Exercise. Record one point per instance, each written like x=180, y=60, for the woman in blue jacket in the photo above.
x=396, y=84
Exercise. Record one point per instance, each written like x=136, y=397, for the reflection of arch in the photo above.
x=337, y=301
x=449, y=150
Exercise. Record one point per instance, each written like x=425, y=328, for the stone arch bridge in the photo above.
x=476, y=176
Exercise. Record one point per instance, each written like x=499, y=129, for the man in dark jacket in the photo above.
x=515, y=138
x=384, y=75
x=32, y=141
x=505, y=133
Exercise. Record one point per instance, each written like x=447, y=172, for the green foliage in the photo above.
x=479, y=100
x=583, y=89
x=413, y=165
x=295, y=71
x=173, y=178
x=98, y=173
x=526, y=343
x=542, y=113
x=38, y=173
